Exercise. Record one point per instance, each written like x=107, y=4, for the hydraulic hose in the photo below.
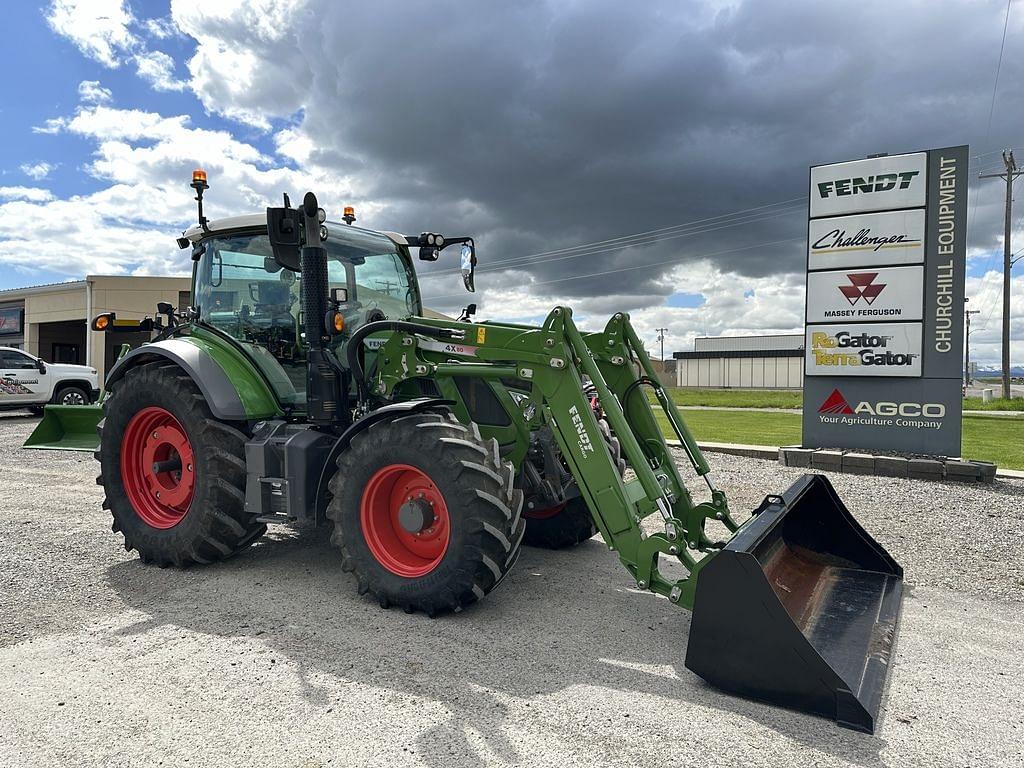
x=355, y=343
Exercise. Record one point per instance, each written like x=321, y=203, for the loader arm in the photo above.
x=554, y=359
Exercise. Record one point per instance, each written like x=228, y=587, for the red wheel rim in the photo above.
x=157, y=467
x=403, y=552
x=543, y=514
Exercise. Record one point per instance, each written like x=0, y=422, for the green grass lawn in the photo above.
x=781, y=398
x=738, y=398
x=986, y=438
x=995, y=404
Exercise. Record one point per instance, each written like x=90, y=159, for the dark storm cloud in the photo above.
x=542, y=125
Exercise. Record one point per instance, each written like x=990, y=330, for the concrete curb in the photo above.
x=772, y=453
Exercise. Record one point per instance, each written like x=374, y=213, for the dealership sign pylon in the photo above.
x=886, y=254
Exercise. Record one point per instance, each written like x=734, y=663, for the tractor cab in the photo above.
x=242, y=290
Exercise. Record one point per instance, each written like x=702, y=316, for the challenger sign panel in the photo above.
x=883, y=293
x=866, y=240
x=853, y=349
x=875, y=184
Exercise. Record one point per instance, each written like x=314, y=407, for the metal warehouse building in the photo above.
x=743, y=362
x=51, y=321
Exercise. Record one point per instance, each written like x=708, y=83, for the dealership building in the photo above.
x=52, y=321
x=743, y=362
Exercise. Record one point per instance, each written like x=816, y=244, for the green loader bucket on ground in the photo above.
x=800, y=609
x=67, y=428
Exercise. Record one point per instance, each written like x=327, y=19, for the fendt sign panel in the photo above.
x=875, y=184
x=866, y=240
x=882, y=293
x=886, y=255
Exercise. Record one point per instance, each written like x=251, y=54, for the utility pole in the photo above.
x=661, y=338
x=1009, y=175
x=967, y=344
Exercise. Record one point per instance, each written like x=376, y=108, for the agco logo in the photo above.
x=863, y=286
x=837, y=405
x=882, y=182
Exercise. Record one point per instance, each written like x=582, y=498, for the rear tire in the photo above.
x=431, y=465
x=194, y=514
x=571, y=523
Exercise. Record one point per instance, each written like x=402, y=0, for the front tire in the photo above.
x=425, y=514
x=174, y=475
x=71, y=395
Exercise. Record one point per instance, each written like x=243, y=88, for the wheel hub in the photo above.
x=157, y=467
x=405, y=520
x=416, y=515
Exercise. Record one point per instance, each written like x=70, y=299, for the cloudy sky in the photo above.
x=670, y=138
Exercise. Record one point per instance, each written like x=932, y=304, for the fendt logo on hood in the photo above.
x=836, y=409
x=863, y=286
x=882, y=182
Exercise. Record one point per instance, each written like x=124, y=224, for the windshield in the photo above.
x=241, y=290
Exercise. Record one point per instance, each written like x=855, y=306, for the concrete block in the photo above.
x=795, y=457
x=858, y=463
x=964, y=471
x=891, y=466
x=832, y=460
x=924, y=469
x=986, y=470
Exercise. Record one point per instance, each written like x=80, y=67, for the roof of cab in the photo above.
x=257, y=220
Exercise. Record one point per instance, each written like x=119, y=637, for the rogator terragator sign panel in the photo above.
x=886, y=251
x=860, y=349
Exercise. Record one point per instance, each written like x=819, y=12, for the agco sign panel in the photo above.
x=875, y=184
x=855, y=349
x=866, y=240
x=883, y=293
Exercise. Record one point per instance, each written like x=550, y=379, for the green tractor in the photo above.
x=306, y=385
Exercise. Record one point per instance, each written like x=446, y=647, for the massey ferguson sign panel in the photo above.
x=885, y=293
x=875, y=184
x=886, y=252
x=867, y=240
x=856, y=349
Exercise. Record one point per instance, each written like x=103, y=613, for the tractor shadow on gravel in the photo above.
x=560, y=620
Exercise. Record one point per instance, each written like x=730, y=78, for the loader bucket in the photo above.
x=67, y=428
x=799, y=609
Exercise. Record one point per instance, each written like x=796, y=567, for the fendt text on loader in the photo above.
x=305, y=385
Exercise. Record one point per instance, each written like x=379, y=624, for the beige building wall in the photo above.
x=131, y=297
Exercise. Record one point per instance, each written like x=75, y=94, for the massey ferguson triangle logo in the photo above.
x=863, y=286
x=835, y=403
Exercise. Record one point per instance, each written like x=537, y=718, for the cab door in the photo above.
x=21, y=380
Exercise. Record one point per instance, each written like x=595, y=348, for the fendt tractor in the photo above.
x=305, y=385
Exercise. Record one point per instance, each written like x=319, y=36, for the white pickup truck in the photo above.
x=28, y=382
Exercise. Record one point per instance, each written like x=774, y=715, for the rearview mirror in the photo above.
x=468, y=265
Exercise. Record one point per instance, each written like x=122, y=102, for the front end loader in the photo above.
x=306, y=386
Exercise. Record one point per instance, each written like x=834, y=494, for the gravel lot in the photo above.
x=273, y=659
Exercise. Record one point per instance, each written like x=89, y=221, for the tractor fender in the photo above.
x=389, y=411
x=220, y=394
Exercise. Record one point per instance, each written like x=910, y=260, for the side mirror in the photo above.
x=285, y=236
x=41, y=366
x=468, y=266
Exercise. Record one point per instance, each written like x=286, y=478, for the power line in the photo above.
x=639, y=266
x=999, y=65
x=594, y=249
